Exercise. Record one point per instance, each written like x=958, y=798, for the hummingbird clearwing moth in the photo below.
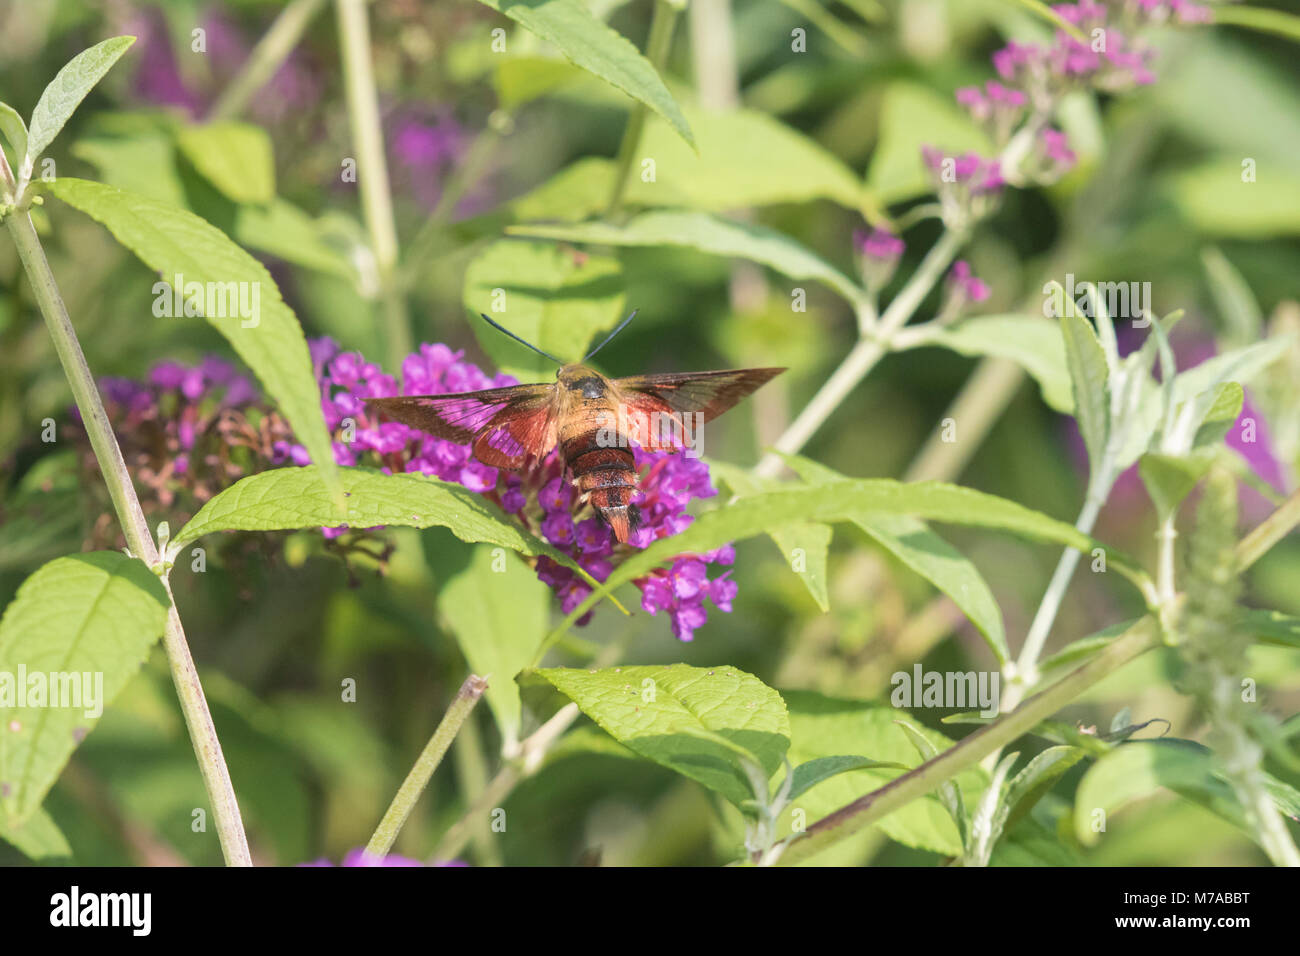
x=591, y=419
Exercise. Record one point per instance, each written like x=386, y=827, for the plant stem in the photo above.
x=870, y=808
x=198, y=719
x=1045, y=617
x=531, y=752
x=372, y=172
x=863, y=357
x=271, y=51
x=1269, y=531
x=527, y=757
x=409, y=792
x=657, y=46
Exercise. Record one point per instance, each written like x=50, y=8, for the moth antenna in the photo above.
x=501, y=328
x=612, y=334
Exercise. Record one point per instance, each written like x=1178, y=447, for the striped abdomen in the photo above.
x=606, y=477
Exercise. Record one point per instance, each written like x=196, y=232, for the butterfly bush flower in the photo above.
x=961, y=289
x=186, y=432
x=968, y=185
x=878, y=255
x=999, y=109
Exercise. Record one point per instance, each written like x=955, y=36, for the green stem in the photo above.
x=872, y=807
x=657, y=46
x=528, y=756
x=1050, y=606
x=372, y=172
x=1270, y=531
x=976, y=408
x=531, y=752
x=198, y=719
x=862, y=358
x=409, y=792
x=271, y=51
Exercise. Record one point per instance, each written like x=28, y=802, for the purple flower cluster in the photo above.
x=183, y=431
x=1034, y=77
x=542, y=499
x=1109, y=57
x=668, y=483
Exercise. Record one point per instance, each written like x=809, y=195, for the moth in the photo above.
x=591, y=419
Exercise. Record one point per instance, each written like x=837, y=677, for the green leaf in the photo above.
x=577, y=192
x=1139, y=768
x=919, y=548
x=39, y=838
x=14, y=130
x=1032, y=343
x=668, y=713
x=85, y=618
x=143, y=163
x=287, y=232
x=1213, y=197
x=1239, y=311
x=1222, y=406
x=174, y=242
x=1088, y=376
x=522, y=79
x=235, y=157
x=808, y=775
x=826, y=727
x=990, y=815
x=706, y=233
x=65, y=93
x=930, y=556
x=1276, y=22
x=598, y=49
x=1170, y=478
x=549, y=296
x=745, y=158
x=1033, y=782
x=913, y=115
x=801, y=541
x=849, y=500
x=291, y=498
x=949, y=795
x=1271, y=627
x=498, y=610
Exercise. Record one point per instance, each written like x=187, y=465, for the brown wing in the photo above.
x=674, y=395
x=504, y=425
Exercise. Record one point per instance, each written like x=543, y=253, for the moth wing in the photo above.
x=505, y=425
x=672, y=396
x=520, y=431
